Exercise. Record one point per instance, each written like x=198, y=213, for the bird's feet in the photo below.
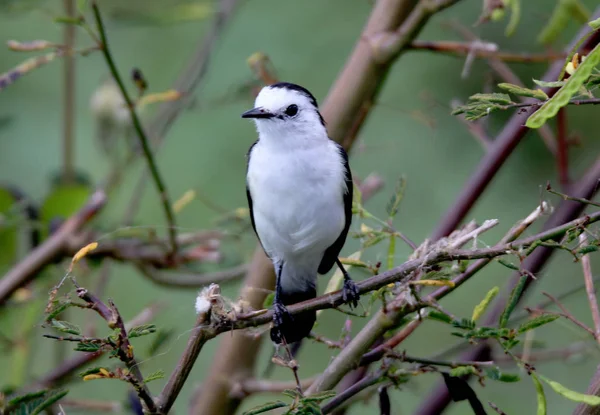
x=350, y=293
x=281, y=318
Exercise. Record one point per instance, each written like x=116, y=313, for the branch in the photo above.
x=586, y=187
x=32, y=264
x=503, y=145
x=158, y=181
x=483, y=50
x=58, y=375
x=124, y=349
x=69, y=96
x=589, y=287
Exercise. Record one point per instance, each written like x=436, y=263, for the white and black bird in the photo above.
x=299, y=189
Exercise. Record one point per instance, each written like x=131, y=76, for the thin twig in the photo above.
x=482, y=50
x=69, y=96
x=158, y=181
x=589, y=286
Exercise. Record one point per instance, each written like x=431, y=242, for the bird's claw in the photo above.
x=350, y=293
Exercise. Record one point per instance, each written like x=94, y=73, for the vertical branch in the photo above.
x=589, y=287
x=158, y=181
x=69, y=95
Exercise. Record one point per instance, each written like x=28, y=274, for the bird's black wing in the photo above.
x=331, y=254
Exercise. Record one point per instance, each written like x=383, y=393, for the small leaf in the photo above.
x=266, y=407
x=595, y=24
x=523, y=92
x=563, y=95
x=50, y=399
x=494, y=373
x=142, y=330
x=319, y=397
x=434, y=283
x=553, y=84
x=483, y=305
x=269, y=299
x=83, y=252
x=439, y=316
x=159, y=374
x=537, y=322
x=571, y=395
x=66, y=327
x=394, y=202
x=515, y=16
x=374, y=240
x=90, y=371
x=507, y=264
x=87, y=347
x=463, y=371
x=512, y=301
x=494, y=98
x=161, y=337
x=557, y=24
x=541, y=396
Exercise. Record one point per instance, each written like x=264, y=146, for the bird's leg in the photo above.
x=280, y=312
x=350, y=292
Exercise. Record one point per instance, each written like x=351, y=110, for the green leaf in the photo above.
x=319, y=397
x=463, y=371
x=507, y=264
x=595, y=24
x=571, y=395
x=62, y=202
x=512, y=301
x=142, y=330
x=483, y=305
x=58, y=308
x=439, y=316
x=541, y=397
x=87, y=347
x=553, y=84
x=66, y=327
x=374, y=240
x=494, y=98
x=537, y=322
x=563, y=95
x=557, y=24
x=495, y=373
x=159, y=374
x=35, y=403
x=523, y=92
x=515, y=16
x=266, y=407
x=269, y=300
x=587, y=249
x=394, y=202
x=161, y=337
x=464, y=323
x=90, y=371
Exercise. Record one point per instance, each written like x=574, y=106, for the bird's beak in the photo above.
x=257, y=113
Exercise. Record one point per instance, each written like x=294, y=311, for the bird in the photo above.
x=299, y=190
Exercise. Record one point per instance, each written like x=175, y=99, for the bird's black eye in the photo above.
x=291, y=110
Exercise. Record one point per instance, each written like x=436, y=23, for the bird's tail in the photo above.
x=300, y=324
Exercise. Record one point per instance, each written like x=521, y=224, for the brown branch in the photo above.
x=482, y=50
x=586, y=187
x=562, y=157
x=589, y=287
x=59, y=374
x=124, y=349
x=32, y=264
x=191, y=280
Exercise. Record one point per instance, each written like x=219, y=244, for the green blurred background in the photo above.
x=410, y=132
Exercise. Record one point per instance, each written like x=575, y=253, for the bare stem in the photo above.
x=158, y=181
x=589, y=287
x=69, y=96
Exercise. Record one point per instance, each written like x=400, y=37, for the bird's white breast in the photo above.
x=297, y=200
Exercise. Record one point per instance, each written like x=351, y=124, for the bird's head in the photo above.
x=286, y=111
